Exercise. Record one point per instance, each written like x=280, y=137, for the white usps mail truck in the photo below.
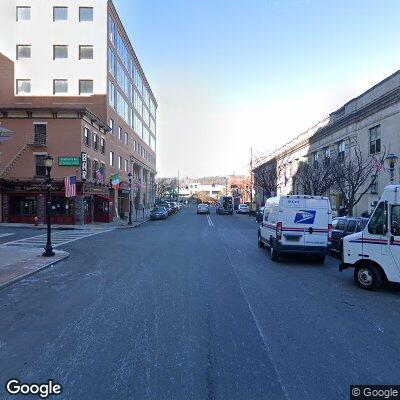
x=296, y=224
x=374, y=253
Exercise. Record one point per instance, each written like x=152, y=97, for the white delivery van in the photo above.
x=374, y=253
x=296, y=224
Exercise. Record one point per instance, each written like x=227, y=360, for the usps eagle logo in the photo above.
x=305, y=217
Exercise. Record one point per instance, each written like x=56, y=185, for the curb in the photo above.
x=48, y=264
x=135, y=225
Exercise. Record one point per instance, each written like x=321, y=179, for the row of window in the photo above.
x=137, y=147
x=130, y=90
x=122, y=50
x=122, y=164
x=374, y=147
x=60, y=51
x=126, y=112
x=23, y=13
x=92, y=139
x=60, y=86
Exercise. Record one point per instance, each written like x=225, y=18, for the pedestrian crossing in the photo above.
x=58, y=238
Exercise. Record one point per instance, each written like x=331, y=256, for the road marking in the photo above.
x=58, y=238
x=6, y=234
x=209, y=220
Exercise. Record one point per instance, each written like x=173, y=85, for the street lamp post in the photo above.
x=391, y=160
x=130, y=199
x=48, y=163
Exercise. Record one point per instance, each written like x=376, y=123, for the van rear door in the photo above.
x=318, y=216
x=292, y=226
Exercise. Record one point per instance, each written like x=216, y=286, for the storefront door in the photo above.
x=101, y=209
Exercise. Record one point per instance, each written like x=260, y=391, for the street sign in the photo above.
x=84, y=166
x=69, y=161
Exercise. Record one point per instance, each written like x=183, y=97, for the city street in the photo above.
x=192, y=308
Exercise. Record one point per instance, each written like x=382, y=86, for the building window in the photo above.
x=60, y=51
x=111, y=29
x=112, y=125
x=119, y=162
x=85, y=86
x=315, y=159
x=23, y=86
x=86, y=52
x=40, y=167
x=126, y=138
x=95, y=141
x=126, y=165
x=23, y=13
x=119, y=133
x=111, y=94
x=86, y=137
x=375, y=140
x=60, y=13
x=341, y=150
x=23, y=51
x=112, y=159
x=40, y=134
x=85, y=14
x=94, y=169
x=102, y=145
x=60, y=86
x=327, y=152
x=111, y=62
x=374, y=184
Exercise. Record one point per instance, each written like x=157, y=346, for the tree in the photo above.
x=314, y=179
x=354, y=175
x=266, y=178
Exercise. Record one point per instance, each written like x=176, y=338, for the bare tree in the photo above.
x=267, y=176
x=314, y=179
x=354, y=175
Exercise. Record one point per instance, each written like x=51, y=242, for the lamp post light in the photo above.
x=391, y=160
x=130, y=199
x=48, y=163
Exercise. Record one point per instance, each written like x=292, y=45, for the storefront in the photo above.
x=123, y=199
x=97, y=204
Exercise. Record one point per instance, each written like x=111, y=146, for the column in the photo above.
x=142, y=187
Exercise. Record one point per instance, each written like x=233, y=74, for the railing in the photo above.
x=37, y=139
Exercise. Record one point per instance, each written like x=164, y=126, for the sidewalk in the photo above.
x=94, y=225
x=19, y=263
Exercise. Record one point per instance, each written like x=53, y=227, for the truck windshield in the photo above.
x=377, y=224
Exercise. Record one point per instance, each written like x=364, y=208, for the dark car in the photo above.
x=173, y=206
x=159, y=213
x=342, y=227
x=259, y=214
x=167, y=206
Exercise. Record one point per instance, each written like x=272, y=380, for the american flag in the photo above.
x=378, y=165
x=100, y=174
x=70, y=186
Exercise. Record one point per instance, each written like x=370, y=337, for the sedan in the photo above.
x=243, y=209
x=203, y=209
x=159, y=213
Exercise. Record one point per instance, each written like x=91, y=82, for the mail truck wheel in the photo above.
x=259, y=241
x=367, y=276
x=320, y=259
x=274, y=253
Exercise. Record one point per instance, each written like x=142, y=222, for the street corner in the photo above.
x=19, y=263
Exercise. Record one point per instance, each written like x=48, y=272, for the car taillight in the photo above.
x=279, y=231
x=329, y=232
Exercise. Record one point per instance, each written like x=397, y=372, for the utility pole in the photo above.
x=251, y=181
x=178, y=187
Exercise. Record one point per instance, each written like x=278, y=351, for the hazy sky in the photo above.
x=230, y=74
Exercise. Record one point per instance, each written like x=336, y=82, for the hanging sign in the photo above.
x=84, y=166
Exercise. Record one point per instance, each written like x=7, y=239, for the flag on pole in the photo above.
x=378, y=165
x=70, y=186
x=115, y=181
x=100, y=174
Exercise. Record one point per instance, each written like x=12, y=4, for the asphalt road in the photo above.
x=191, y=308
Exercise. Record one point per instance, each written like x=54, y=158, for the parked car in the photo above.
x=167, y=206
x=295, y=225
x=177, y=205
x=173, y=206
x=374, y=253
x=203, y=209
x=243, y=209
x=342, y=227
x=158, y=213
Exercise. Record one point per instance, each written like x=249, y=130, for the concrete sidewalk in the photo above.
x=19, y=263
x=93, y=225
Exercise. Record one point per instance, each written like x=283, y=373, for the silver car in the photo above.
x=203, y=209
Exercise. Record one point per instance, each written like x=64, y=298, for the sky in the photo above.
x=229, y=75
